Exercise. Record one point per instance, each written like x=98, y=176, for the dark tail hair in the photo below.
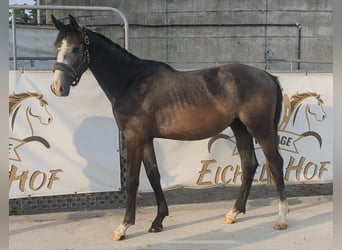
x=279, y=104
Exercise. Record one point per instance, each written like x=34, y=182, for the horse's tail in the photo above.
x=279, y=103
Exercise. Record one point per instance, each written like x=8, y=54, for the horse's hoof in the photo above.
x=280, y=226
x=156, y=229
x=228, y=220
x=117, y=236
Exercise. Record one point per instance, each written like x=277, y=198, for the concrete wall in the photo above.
x=196, y=47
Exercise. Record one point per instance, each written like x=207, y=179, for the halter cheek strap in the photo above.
x=68, y=70
x=76, y=74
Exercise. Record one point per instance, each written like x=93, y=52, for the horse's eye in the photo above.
x=75, y=50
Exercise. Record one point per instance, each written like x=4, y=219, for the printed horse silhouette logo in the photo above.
x=312, y=105
x=31, y=106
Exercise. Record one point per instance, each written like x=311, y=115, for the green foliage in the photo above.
x=27, y=16
x=24, y=17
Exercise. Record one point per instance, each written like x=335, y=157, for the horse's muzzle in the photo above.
x=58, y=89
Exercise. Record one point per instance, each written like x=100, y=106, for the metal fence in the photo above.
x=64, y=7
x=77, y=201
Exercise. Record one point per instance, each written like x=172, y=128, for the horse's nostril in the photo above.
x=61, y=89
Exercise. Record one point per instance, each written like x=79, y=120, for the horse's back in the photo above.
x=198, y=104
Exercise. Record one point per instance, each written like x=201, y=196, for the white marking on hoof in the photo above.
x=281, y=223
x=120, y=232
x=280, y=226
x=117, y=236
x=230, y=217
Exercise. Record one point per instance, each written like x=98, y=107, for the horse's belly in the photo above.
x=192, y=123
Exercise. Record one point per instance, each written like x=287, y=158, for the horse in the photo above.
x=150, y=99
x=32, y=106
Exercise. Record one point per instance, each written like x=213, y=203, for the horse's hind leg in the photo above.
x=269, y=145
x=249, y=164
x=153, y=175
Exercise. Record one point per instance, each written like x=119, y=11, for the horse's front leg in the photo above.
x=152, y=172
x=134, y=157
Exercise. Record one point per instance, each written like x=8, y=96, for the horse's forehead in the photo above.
x=318, y=98
x=36, y=97
x=66, y=37
x=43, y=101
x=38, y=101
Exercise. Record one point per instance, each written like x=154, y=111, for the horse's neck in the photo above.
x=290, y=111
x=111, y=65
x=13, y=115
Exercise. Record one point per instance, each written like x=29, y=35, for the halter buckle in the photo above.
x=86, y=40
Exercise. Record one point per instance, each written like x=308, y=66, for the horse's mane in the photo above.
x=299, y=97
x=16, y=99
x=124, y=53
x=115, y=46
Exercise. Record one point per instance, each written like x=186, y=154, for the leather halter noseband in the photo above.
x=76, y=74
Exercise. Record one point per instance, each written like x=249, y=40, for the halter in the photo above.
x=76, y=74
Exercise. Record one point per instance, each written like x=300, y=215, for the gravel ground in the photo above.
x=191, y=226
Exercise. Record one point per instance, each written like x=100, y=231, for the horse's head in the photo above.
x=34, y=106
x=313, y=104
x=72, y=55
x=39, y=110
x=317, y=110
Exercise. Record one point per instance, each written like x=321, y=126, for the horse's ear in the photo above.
x=58, y=24
x=73, y=22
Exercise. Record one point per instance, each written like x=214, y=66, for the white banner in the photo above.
x=70, y=145
x=306, y=142
x=60, y=145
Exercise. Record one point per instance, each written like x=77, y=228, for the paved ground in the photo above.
x=194, y=226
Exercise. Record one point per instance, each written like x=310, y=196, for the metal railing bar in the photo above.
x=64, y=7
